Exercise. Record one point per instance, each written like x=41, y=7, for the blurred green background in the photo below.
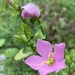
x=59, y=20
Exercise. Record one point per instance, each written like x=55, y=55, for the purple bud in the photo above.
x=30, y=11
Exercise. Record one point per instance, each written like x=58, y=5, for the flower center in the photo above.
x=50, y=61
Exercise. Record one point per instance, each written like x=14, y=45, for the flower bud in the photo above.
x=12, y=3
x=30, y=11
x=16, y=36
x=68, y=61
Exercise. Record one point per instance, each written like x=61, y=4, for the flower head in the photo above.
x=48, y=61
x=30, y=11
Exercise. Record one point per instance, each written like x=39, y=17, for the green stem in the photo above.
x=58, y=74
x=69, y=70
x=53, y=73
x=32, y=47
x=23, y=2
x=69, y=66
x=41, y=27
x=19, y=9
x=24, y=21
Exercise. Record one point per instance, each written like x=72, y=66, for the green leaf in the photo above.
x=2, y=42
x=39, y=34
x=21, y=38
x=20, y=55
x=10, y=52
x=25, y=29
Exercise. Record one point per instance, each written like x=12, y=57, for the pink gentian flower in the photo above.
x=48, y=61
x=30, y=11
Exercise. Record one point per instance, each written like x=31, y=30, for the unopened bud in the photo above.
x=68, y=60
x=12, y=3
x=17, y=38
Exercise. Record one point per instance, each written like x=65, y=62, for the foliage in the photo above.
x=2, y=42
x=59, y=17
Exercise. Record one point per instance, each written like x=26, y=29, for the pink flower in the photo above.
x=30, y=11
x=48, y=61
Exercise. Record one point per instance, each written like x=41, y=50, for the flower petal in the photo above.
x=46, y=69
x=60, y=65
x=43, y=48
x=23, y=14
x=33, y=13
x=35, y=62
x=59, y=51
x=29, y=6
x=31, y=10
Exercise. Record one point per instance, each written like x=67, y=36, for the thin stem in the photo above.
x=69, y=66
x=53, y=73
x=23, y=2
x=19, y=9
x=32, y=47
x=24, y=21
x=41, y=27
x=69, y=70
x=58, y=74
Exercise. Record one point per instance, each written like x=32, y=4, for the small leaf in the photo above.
x=39, y=34
x=20, y=55
x=10, y=52
x=25, y=29
x=21, y=38
x=2, y=42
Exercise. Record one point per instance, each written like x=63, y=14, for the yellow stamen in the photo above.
x=50, y=60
